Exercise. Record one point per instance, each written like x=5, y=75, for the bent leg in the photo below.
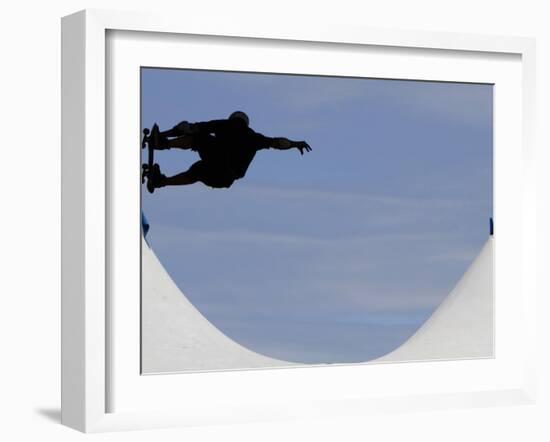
x=198, y=142
x=200, y=171
x=197, y=172
x=190, y=176
x=183, y=142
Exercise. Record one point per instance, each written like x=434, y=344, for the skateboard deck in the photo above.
x=150, y=140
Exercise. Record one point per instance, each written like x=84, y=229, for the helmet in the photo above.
x=240, y=115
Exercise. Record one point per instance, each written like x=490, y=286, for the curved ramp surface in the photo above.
x=462, y=326
x=177, y=337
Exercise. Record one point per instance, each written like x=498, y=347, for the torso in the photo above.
x=235, y=147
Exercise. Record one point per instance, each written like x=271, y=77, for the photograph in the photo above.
x=301, y=220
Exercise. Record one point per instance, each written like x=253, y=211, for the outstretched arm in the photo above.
x=281, y=143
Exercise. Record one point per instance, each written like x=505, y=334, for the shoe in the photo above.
x=155, y=179
x=156, y=140
x=162, y=143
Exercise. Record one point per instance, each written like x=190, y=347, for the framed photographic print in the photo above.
x=291, y=247
x=263, y=224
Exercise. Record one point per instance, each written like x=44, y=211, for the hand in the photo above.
x=302, y=145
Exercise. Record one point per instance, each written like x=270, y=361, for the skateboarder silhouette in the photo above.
x=226, y=148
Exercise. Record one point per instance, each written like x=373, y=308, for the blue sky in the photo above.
x=339, y=255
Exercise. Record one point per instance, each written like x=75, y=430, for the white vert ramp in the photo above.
x=176, y=337
x=462, y=326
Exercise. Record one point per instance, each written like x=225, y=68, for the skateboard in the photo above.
x=150, y=139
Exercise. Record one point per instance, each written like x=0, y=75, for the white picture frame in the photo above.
x=88, y=357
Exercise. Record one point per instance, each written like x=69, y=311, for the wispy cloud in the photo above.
x=468, y=104
x=306, y=271
x=170, y=234
x=327, y=196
